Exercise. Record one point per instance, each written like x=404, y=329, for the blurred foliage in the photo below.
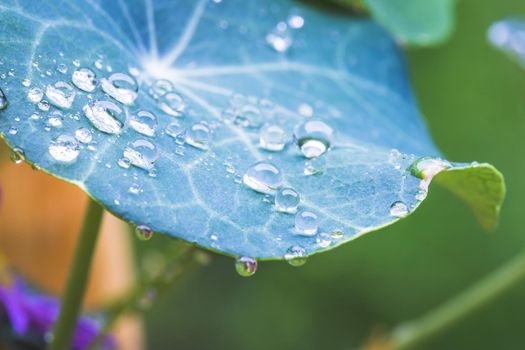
x=474, y=99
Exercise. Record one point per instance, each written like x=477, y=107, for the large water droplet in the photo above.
x=84, y=135
x=172, y=103
x=35, y=95
x=142, y=154
x=103, y=116
x=426, y=167
x=296, y=256
x=287, y=200
x=306, y=222
x=121, y=87
x=143, y=232
x=3, y=100
x=272, y=138
x=17, y=155
x=198, y=135
x=399, y=209
x=84, y=79
x=313, y=138
x=64, y=149
x=263, y=177
x=246, y=266
x=61, y=94
x=280, y=37
x=144, y=122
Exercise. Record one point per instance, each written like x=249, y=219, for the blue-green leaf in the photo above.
x=235, y=65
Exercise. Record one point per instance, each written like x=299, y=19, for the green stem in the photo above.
x=414, y=333
x=77, y=279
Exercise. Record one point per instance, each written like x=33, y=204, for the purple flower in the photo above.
x=31, y=316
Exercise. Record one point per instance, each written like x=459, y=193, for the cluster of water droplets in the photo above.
x=281, y=37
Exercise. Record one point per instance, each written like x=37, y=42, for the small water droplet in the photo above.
x=280, y=38
x=84, y=79
x=198, y=135
x=103, y=116
x=306, y=223
x=62, y=68
x=295, y=21
x=124, y=163
x=141, y=153
x=34, y=116
x=76, y=63
x=144, y=122
x=64, y=149
x=287, y=200
x=305, y=110
x=61, y=94
x=246, y=266
x=143, y=232
x=296, y=256
x=160, y=88
x=337, y=234
x=17, y=155
x=44, y=106
x=26, y=82
x=323, y=240
x=84, y=135
x=174, y=129
x=35, y=95
x=272, y=138
x=263, y=177
x=55, y=119
x=3, y=100
x=313, y=138
x=172, y=103
x=399, y=209
x=314, y=166
x=121, y=87
x=13, y=131
x=134, y=189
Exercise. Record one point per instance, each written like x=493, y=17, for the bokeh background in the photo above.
x=474, y=100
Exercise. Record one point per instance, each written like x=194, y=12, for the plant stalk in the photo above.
x=414, y=333
x=77, y=279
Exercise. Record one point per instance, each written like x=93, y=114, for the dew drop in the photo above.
x=103, y=116
x=143, y=232
x=314, y=166
x=83, y=135
x=3, y=100
x=295, y=21
x=263, y=177
x=64, y=149
x=305, y=110
x=249, y=116
x=174, y=129
x=198, y=135
x=172, y=103
x=141, y=153
x=13, y=131
x=399, y=209
x=426, y=167
x=61, y=94
x=121, y=87
x=43, y=106
x=160, y=88
x=287, y=200
x=313, y=138
x=337, y=234
x=296, y=256
x=62, y=68
x=55, y=119
x=280, y=38
x=35, y=95
x=246, y=266
x=124, y=163
x=17, y=155
x=134, y=189
x=84, y=79
x=144, y=122
x=272, y=138
x=323, y=240
x=306, y=223
x=26, y=82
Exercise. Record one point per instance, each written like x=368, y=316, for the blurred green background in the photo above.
x=474, y=101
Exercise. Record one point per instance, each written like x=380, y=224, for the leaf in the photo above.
x=416, y=22
x=345, y=71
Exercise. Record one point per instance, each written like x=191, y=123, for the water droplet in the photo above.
x=323, y=240
x=35, y=95
x=296, y=256
x=249, y=116
x=144, y=122
x=198, y=135
x=426, y=167
x=172, y=103
x=174, y=129
x=263, y=177
x=3, y=100
x=17, y=155
x=124, y=163
x=55, y=119
x=143, y=232
x=61, y=94
x=272, y=138
x=64, y=149
x=295, y=21
x=160, y=88
x=76, y=63
x=121, y=87
x=314, y=166
x=84, y=79
x=99, y=63
x=26, y=82
x=337, y=234
x=134, y=189
x=287, y=200
x=141, y=153
x=13, y=131
x=43, y=106
x=306, y=222
x=313, y=138
x=246, y=266
x=103, y=116
x=84, y=135
x=62, y=68
x=305, y=110
x=398, y=209
x=280, y=38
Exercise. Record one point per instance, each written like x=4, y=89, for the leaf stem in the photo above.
x=414, y=333
x=64, y=329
